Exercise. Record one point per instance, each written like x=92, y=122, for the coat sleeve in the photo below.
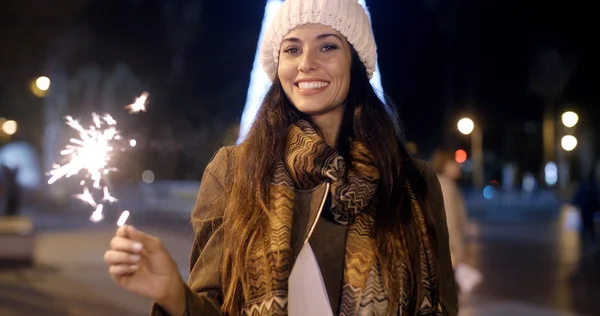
x=447, y=282
x=204, y=291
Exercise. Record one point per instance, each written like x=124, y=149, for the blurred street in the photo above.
x=527, y=268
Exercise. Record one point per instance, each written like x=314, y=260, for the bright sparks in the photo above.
x=139, y=105
x=91, y=154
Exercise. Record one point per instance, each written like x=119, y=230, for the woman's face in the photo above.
x=314, y=69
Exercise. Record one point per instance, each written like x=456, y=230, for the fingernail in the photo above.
x=137, y=247
x=135, y=258
x=134, y=267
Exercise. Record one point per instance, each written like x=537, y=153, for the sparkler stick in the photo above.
x=123, y=218
x=91, y=155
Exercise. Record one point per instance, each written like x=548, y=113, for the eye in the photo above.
x=328, y=47
x=291, y=50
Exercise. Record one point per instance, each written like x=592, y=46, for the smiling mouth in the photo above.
x=311, y=85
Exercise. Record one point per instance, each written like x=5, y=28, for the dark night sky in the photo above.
x=491, y=55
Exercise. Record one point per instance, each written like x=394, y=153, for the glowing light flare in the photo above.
x=489, y=192
x=43, y=83
x=139, y=105
x=148, y=176
x=568, y=142
x=551, y=173
x=569, y=119
x=9, y=127
x=460, y=156
x=465, y=126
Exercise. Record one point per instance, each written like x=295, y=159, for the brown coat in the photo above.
x=204, y=282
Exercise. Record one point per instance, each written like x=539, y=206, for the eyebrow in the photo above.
x=319, y=37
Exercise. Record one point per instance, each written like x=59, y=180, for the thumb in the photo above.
x=149, y=242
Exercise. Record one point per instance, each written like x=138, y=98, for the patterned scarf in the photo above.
x=308, y=162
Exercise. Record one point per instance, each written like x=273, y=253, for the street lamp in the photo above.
x=43, y=83
x=9, y=127
x=568, y=142
x=467, y=127
x=570, y=119
x=40, y=86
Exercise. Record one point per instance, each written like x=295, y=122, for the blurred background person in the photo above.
x=12, y=194
x=448, y=172
x=586, y=199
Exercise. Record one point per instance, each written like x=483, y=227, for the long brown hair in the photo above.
x=366, y=119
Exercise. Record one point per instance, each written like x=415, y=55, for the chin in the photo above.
x=312, y=109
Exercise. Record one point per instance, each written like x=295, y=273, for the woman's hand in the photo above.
x=139, y=263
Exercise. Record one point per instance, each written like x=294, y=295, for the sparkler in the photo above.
x=92, y=155
x=139, y=104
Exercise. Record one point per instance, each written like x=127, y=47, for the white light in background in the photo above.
x=260, y=83
x=551, y=173
x=148, y=176
x=569, y=118
x=22, y=157
x=465, y=126
x=528, y=182
x=568, y=142
x=9, y=127
x=43, y=83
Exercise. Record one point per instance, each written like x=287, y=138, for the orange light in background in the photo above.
x=460, y=156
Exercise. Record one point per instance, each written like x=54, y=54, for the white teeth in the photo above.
x=312, y=85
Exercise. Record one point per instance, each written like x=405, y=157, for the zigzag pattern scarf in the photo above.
x=308, y=162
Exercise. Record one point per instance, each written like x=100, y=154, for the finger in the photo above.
x=122, y=269
x=124, y=244
x=114, y=257
x=122, y=231
x=150, y=243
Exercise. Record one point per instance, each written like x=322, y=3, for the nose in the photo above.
x=307, y=62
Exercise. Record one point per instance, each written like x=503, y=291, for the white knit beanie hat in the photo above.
x=346, y=16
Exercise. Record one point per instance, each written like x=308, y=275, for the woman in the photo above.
x=323, y=179
x=448, y=172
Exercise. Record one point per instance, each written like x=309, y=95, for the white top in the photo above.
x=307, y=293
